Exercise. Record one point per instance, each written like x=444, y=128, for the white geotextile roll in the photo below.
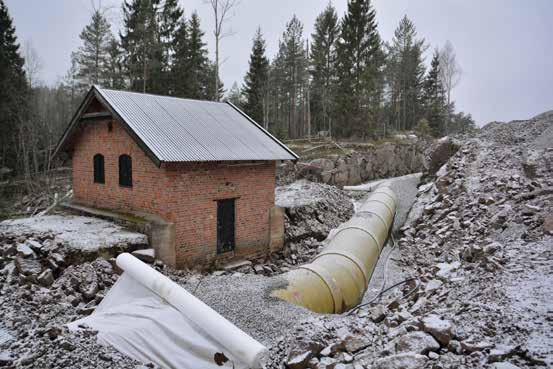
x=236, y=341
x=150, y=318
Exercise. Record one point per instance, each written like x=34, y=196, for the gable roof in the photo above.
x=171, y=129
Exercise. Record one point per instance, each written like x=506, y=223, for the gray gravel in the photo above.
x=245, y=300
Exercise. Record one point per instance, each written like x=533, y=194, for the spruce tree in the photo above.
x=323, y=60
x=115, y=77
x=359, y=70
x=433, y=97
x=142, y=45
x=170, y=21
x=290, y=65
x=13, y=94
x=255, y=82
x=405, y=74
x=93, y=54
x=191, y=64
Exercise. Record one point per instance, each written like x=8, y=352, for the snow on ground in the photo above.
x=81, y=233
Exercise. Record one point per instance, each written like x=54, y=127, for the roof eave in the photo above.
x=95, y=92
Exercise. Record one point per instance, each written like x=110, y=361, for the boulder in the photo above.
x=440, y=153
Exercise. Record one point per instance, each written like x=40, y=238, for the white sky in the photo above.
x=504, y=46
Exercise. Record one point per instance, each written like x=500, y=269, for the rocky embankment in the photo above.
x=361, y=164
x=479, y=249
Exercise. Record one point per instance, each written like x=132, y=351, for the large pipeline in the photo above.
x=336, y=280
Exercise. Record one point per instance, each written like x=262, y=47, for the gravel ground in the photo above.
x=245, y=300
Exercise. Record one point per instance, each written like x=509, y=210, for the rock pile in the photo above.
x=479, y=240
x=42, y=288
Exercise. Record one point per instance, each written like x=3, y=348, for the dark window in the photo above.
x=99, y=174
x=125, y=171
x=225, y=225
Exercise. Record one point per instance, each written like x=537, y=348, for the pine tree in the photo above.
x=323, y=60
x=359, y=70
x=142, y=46
x=13, y=94
x=405, y=74
x=191, y=64
x=433, y=97
x=93, y=54
x=255, y=82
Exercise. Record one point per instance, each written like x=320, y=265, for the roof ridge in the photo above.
x=100, y=88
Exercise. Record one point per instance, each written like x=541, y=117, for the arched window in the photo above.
x=99, y=173
x=125, y=171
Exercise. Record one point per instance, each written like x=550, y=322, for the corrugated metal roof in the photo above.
x=176, y=129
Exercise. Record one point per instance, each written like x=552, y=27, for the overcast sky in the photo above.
x=505, y=47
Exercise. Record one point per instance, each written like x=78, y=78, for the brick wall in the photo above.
x=182, y=193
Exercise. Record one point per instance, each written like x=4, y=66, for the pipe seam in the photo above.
x=329, y=281
x=348, y=255
x=360, y=229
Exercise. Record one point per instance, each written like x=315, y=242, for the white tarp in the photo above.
x=140, y=324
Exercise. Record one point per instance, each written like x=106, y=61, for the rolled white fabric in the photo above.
x=236, y=341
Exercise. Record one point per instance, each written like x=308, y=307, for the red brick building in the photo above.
x=204, y=167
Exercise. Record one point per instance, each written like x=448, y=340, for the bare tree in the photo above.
x=450, y=74
x=222, y=12
x=33, y=64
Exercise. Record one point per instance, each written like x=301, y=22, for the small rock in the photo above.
x=378, y=313
x=28, y=267
x=500, y=353
x=504, y=365
x=402, y=361
x=353, y=344
x=416, y=342
x=299, y=361
x=455, y=347
x=6, y=359
x=433, y=285
x=475, y=346
x=258, y=269
x=433, y=356
x=24, y=250
x=35, y=245
x=445, y=270
x=327, y=363
x=46, y=278
x=440, y=329
x=237, y=265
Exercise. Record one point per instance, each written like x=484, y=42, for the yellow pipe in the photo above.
x=336, y=280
